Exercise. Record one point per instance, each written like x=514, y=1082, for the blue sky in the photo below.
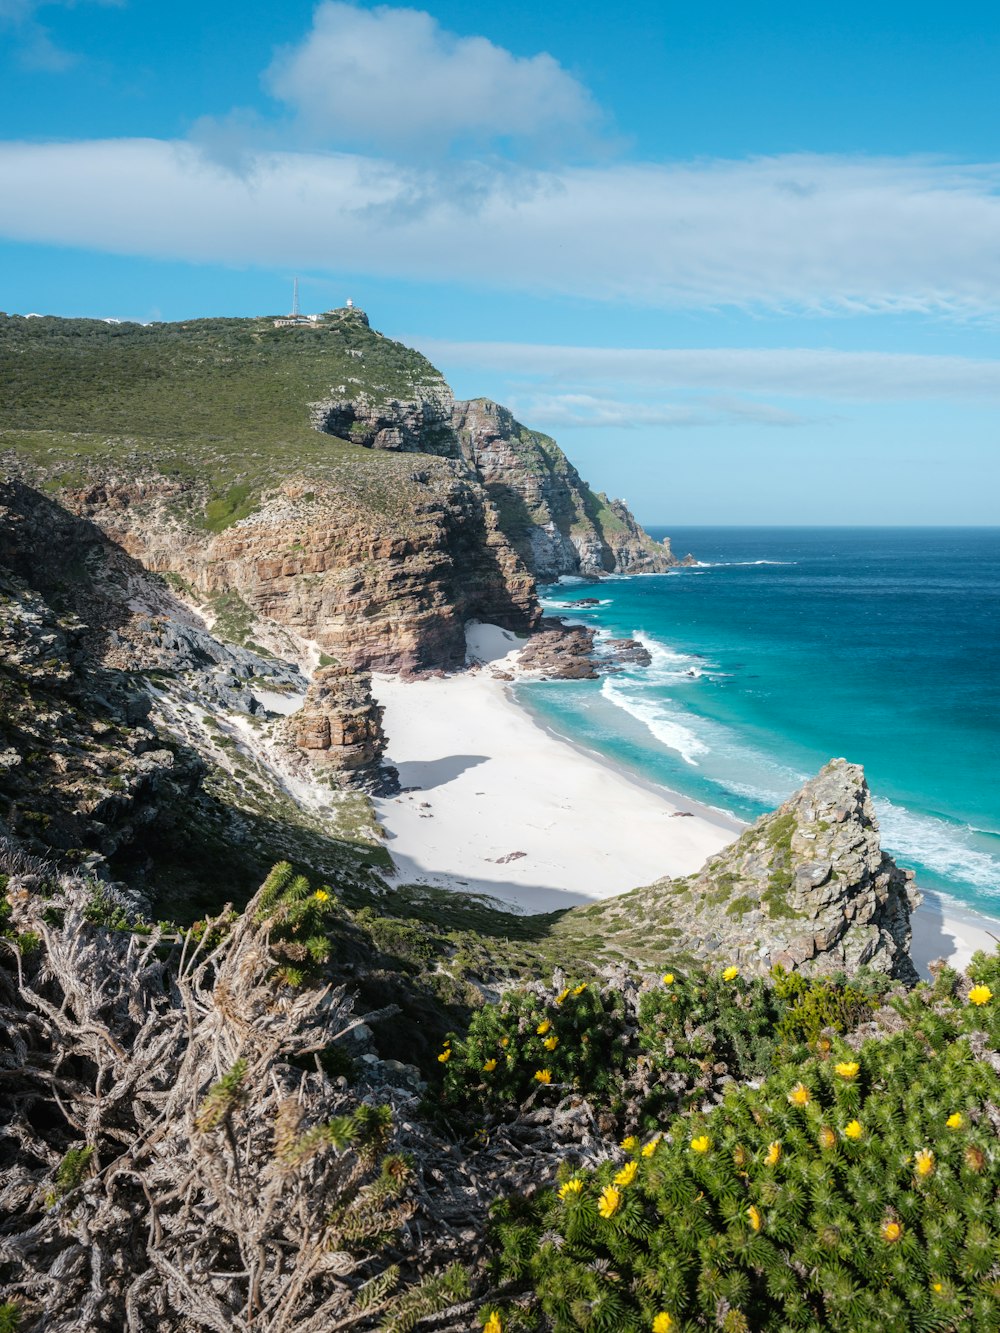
x=742, y=260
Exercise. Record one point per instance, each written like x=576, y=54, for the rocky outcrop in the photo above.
x=557, y=524
x=561, y=651
x=416, y=425
x=339, y=726
x=807, y=887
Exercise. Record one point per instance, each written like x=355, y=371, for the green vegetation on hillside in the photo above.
x=232, y=378
x=854, y=1188
x=217, y=405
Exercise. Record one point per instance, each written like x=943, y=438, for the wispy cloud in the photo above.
x=394, y=78
x=783, y=371
x=33, y=42
x=795, y=233
x=589, y=411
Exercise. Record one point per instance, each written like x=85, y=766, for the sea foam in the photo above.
x=659, y=719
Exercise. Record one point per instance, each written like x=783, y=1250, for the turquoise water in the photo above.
x=785, y=647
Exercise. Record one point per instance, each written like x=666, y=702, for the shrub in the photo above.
x=704, y=1019
x=532, y=1041
x=852, y=1190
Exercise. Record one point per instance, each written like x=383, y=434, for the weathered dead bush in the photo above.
x=173, y=1155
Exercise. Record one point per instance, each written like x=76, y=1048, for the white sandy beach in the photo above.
x=488, y=782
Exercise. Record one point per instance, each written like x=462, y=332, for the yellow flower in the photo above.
x=489, y=1066
x=938, y=1287
x=321, y=895
x=630, y=1144
x=668, y=980
x=578, y=990
x=756, y=1221
x=701, y=1144
x=543, y=1076
x=505, y=1042
x=730, y=974
x=847, y=1068
x=627, y=1174
x=800, y=1095
x=980, y=995
x=650, y=1147
x=562, y=995
x=662, y=1323
x=550, y=1043
x=955, y=1121
x=571, y=1188
x=773, y=1156
x=827, y=1138
x=609, y=1202
x=854, y=1130
x=543, y=1027
x=891, y=1231
x=493, y=1324
x=444, y=1057
x=924, y=1162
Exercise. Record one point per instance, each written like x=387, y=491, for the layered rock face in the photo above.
x=376, y=595
x=807, y=887
x=207, y=451
x=339, y=726
x=557, y=524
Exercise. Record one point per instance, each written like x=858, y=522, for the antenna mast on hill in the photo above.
x=295, y=297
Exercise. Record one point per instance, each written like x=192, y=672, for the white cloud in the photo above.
x=784, y=371
x=619, y=413
x=795, y=233
x=395, y=77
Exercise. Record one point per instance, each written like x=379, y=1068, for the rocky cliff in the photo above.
x=318, y=484
x=555, y=522
x=136, y=745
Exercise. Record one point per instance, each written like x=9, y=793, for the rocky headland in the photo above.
x=807, y=888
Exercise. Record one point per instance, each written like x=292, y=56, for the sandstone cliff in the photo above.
x=137, y=745
x=313, y=490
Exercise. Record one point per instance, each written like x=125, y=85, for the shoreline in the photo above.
x=513, y=810
x=711, y=813
x=942, y=926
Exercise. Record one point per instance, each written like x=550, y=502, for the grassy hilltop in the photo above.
x=219, y=402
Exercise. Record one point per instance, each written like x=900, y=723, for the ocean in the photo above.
x=785, y=647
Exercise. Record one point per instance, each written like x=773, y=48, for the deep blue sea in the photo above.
x=785, y=647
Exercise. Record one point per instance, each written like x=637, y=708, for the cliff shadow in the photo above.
x=426, y=774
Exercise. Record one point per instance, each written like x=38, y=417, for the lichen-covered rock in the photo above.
x=413, y=425
x=807, y=887
x=340, y=726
